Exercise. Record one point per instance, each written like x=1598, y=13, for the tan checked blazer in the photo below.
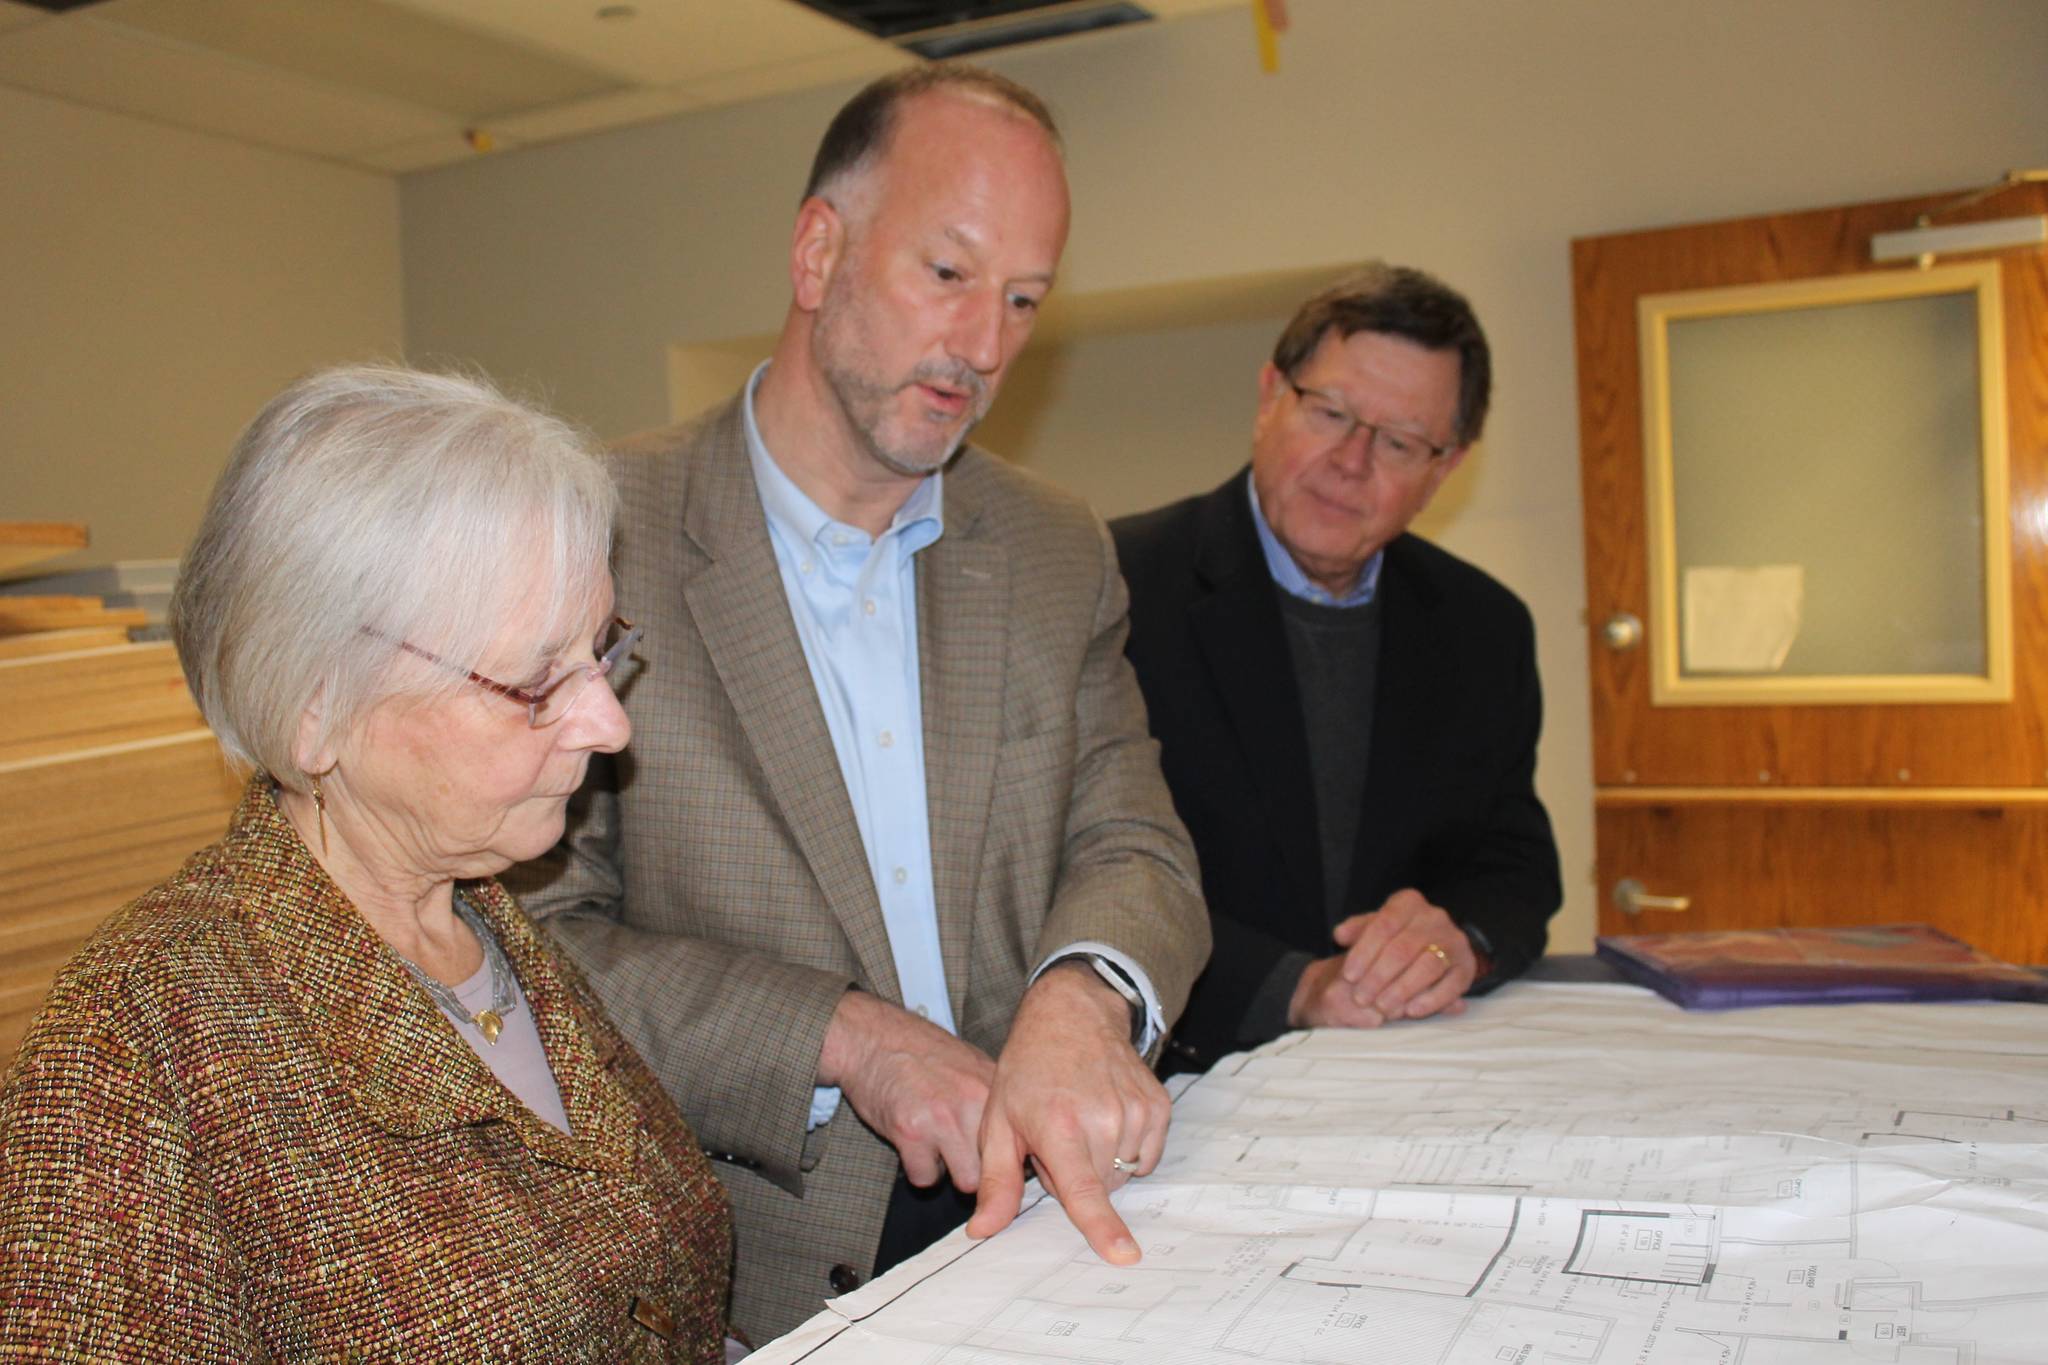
x=240, y=1131
x=714, y=883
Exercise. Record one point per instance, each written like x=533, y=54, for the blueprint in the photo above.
x=1566, y=1173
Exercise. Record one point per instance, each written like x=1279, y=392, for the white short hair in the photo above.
x=371, y=504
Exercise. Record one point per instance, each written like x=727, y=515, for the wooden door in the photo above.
x=1841, y=813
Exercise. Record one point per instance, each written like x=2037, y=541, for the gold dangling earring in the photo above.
x=320, y=806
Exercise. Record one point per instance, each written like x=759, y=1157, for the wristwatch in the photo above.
x=1118, y=980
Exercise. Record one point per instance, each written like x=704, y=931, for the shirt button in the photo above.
x=805, y=567
x=868, y=606
x=844, y=1279
x=885, y=739
x=924, y=1012
x=902, y=875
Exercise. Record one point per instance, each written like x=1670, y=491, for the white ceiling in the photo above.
x=401, y=85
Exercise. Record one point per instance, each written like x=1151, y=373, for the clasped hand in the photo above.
x=1406, y=960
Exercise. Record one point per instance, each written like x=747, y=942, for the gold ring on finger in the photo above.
x=1441, y=955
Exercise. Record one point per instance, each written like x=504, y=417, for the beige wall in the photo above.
x=155, y=287
x=1473, y=137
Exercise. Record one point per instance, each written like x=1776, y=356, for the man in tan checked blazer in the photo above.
x=840, y=1019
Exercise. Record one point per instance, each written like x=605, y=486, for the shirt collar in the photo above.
x=800, y=521
x=1288, y=575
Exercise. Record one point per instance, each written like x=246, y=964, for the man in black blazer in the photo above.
x=1348, y=714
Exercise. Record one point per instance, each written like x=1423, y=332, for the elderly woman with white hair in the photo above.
x=325, y=1094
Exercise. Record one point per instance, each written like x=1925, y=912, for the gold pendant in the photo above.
x=490, y=1025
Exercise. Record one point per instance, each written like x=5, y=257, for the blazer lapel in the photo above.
x=963, y=582
x=734, y=594
x=1235, y=618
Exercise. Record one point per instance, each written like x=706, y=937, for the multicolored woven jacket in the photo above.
x=240, y=1131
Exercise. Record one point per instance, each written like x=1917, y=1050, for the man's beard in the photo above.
x=871, y=404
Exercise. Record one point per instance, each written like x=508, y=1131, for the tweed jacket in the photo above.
x=714, y=883
x=239, y=1130
x=1450, y=805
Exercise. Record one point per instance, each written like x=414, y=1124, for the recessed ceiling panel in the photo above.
x=14, y=14
x=896, y=18
x=113, y=67
x=372, y=46
x=659, y=42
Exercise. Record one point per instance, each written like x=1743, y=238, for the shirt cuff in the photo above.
x=824, y=1104
x=1155, y=1017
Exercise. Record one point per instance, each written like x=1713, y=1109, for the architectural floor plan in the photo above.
x=1567, y=1173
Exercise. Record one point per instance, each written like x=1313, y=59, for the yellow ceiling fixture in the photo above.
x=1270, y=18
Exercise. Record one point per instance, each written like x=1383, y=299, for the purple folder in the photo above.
x=1731, y=968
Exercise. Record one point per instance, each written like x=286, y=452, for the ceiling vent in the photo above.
x=954, y=28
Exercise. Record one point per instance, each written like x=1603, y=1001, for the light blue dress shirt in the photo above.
x=853, y=599
x=1288, y=575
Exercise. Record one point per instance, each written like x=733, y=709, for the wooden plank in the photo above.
x=56, y=807
x=87, y=832
x=1925, y=798
x=86, y=700
x=1980, y=874
x=27, y=543
x=63, y=612
x=40, y=642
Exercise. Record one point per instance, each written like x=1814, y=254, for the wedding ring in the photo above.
x=1123, y=1163
x=1441, y=955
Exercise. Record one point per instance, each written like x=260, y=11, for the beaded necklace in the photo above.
x=489, y=1022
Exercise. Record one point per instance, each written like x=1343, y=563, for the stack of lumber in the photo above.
x=52, y=623
x=108, y=781
x=24, y=544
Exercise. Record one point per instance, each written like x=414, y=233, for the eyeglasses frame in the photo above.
x=1302, y=392
x=534, y=700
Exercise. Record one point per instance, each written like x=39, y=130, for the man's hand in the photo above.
x=914, y=1083
x=1073, y=1096
x=1406, y=960
x=1323, y=999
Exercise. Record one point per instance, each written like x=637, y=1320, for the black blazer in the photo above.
x=1450, y=802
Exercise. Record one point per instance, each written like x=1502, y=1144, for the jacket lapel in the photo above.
x=1235, y=618
x=734, y=594
x=963, y=584
x=395, y=1055
x=603, y=1125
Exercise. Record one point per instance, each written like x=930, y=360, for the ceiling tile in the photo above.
x=420, y=154
x=802, y=74
x=666, y=42
x=595, y=115
x=381, y=48
x=13, y=15
x=112, y=67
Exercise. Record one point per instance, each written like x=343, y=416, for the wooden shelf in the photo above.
x=24, y=544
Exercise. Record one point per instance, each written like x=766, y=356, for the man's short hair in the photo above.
x=1396, y=300
x=860, y=131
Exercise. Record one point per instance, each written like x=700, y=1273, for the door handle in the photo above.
x=1631, y=897
x=1621, y=632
